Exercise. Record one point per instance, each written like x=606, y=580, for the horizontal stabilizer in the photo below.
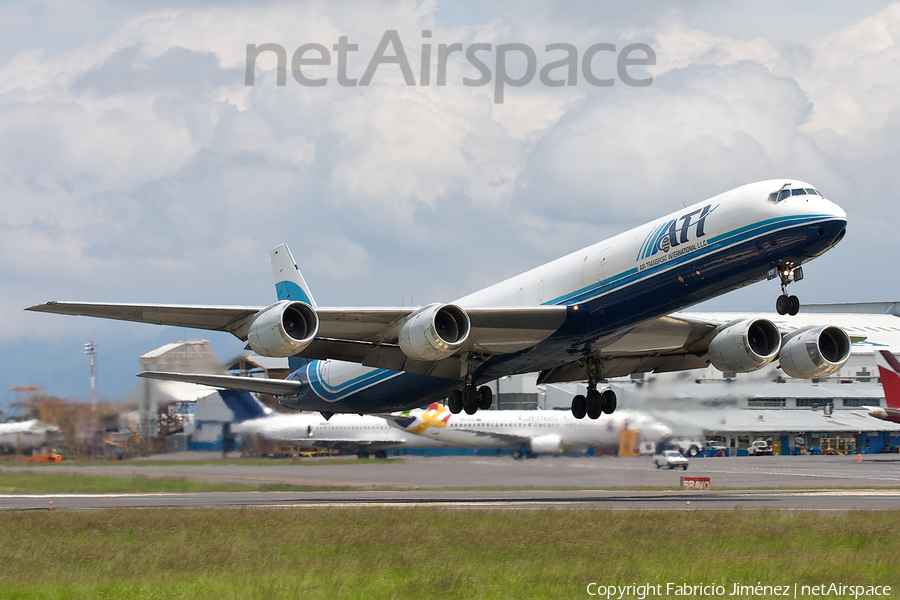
x=277, y=387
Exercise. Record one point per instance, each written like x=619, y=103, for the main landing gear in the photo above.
x=470, y=399
x=595, y=402
x=788, y=305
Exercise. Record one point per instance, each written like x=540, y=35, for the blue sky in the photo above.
x=136, y=166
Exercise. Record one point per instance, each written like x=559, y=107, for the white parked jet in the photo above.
x=604, y=311
x=357, y=434
x=530, y=432
x=26, y=435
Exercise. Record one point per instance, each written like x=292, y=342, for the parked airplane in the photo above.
x=600, y=312
x=530, y=432
x=889, y=371
x=25, y=436
x=355, y=434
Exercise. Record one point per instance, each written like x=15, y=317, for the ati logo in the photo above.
x=675, y=232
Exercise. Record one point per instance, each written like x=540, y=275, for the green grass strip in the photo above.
x=425, y=553
x=40, y=482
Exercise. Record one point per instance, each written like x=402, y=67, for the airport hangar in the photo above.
x=733, y=408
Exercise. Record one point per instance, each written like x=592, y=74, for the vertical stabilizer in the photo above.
x=244, y=406
x=290, y=285
x=889, y=371
x=289, y=282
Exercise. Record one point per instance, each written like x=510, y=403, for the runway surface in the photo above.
x=819, y=500
x=786, y=483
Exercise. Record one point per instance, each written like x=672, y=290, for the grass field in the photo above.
x=421, y=553
x=222, y=462
x=47, y=482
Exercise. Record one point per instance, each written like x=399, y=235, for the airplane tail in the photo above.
x=418, y=420
x=244, y=405
x=889, y=371
x=289, y=282
x=290, y=285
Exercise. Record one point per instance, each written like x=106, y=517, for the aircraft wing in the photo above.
x=495, y=327
x=674, y=342
x=506, y=438
x=277, y=387
x=215, y=318
x=363, y=335
x=344, y=444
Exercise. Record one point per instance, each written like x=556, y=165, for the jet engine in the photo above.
x=547, y=444
x=434, y=332
x=745, y=346
x=816, y=351
x=283, y=329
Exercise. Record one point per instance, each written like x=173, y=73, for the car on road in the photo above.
x=670, y=459
x=759, y=448
x=688, y=446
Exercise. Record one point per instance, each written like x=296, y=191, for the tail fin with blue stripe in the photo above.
x=243, y=405
x=290, y=285
x=289, y=282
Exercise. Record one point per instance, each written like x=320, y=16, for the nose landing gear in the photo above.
x=787, y=305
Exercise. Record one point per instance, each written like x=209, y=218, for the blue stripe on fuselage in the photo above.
x=337, y=392
x=714, y=244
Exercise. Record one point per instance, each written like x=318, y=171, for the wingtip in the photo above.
x=40, y=307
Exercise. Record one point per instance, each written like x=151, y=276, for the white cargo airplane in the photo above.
x=26, y=435
x=600, y=312
x=530, y=432
x=356, y=434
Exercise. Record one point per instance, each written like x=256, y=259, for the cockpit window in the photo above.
x=785, y=192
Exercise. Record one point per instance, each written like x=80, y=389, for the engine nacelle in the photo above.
x=878, y=413
x=816, y=351
x=547, y=444
x=283, y=329
x=435, y=332
x=745, y=346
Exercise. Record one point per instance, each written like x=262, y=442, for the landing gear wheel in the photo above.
x=517, y=454
x=783, y=304
x=470, y=399
x=381, y=454
x=485, y=397
x=454, y=402
x=578, y=407
x=608, y=401
x=793, y=305
x=594, y=404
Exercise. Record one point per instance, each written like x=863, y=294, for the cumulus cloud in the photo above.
x=136, y=165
